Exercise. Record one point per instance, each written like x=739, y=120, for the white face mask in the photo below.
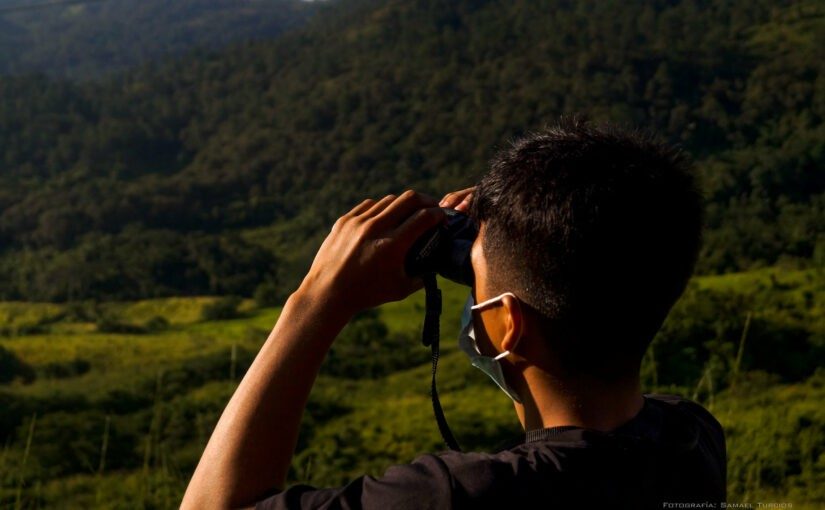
x=467, y=342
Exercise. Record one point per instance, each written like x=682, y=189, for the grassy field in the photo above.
x=110, y=404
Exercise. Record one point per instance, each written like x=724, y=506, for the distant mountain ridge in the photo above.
x=214, y=173
x=82, y=40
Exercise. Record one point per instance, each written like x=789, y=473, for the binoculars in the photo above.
x=445, y=249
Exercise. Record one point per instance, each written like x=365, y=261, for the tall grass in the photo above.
x=101, y=467
x=737, y=363
x=18, y=499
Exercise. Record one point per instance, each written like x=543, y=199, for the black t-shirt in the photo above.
x=672, y=451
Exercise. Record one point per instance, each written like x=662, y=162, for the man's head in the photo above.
x=595, y=230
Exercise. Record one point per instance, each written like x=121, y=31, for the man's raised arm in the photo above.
x=360, y=265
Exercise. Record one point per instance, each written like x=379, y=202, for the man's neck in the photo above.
x=585, y=402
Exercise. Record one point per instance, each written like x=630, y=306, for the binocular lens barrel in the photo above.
x=445, y=249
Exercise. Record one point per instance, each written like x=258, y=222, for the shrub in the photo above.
x=366, y=350
x=82, y=311
x=108, y=324
x=221, y=309
x=156, y=323
x=12, y=367
x=268, y=294
x=65, y=369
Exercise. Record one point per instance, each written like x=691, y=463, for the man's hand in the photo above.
x=361, y=263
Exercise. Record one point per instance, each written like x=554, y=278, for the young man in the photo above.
x=587, y=237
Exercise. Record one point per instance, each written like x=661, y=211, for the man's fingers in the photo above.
x=401, y=209
x=454, y=199
x=363, y=206
x=464, y=206
x=446, y=200
x=420, y=222
x=378, y=207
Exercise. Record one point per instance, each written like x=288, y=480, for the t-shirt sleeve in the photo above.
x=424, y=483
x=712, y=438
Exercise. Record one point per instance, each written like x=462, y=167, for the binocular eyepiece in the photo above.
x=445, y=249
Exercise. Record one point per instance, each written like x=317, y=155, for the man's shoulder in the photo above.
x=705, y=435
x=687, y=407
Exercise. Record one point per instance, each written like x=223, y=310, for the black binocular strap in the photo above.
x=431, y=336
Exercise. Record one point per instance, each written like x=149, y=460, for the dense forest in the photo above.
x=87, y=39
x=220, y=174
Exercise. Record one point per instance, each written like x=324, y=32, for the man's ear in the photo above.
x=513, y=323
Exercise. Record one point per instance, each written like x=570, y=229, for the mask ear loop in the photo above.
x=492, y=300
x=489, y=302
x=431, y=336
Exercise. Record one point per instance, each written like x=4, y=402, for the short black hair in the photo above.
x=598, y=229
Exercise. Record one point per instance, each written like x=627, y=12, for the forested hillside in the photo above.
x=214, y=174
x=87, y=39
x=125, y=180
